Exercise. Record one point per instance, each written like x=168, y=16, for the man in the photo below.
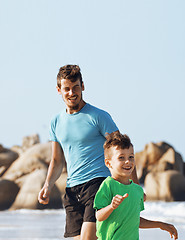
x=78, y=131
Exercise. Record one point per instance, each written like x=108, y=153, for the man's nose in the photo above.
x=71, y=91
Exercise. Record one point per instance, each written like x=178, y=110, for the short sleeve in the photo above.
x=103, y=196
x=52, y=131
x=142, y=202
x=106, y=123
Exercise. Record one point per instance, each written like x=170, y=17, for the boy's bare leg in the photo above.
x=88, y=231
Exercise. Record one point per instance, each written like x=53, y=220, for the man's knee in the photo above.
x=88, y=231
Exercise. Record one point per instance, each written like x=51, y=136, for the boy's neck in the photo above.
x=125, y=181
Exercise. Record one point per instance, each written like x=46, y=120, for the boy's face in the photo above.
x=71, y=93
x=121, y=163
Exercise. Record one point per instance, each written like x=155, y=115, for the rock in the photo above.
x=17, y=149
x=29, y=141
x=166, y=186
x=36, y=157
x=61, y=183
x=154, y=153
x=164, y=146
x=1, y=148
x=8, y=193
x=147, y=158
x=7, y=157
x=170, y=160
x=28, y=195
x=157, y=157
x=141, y=165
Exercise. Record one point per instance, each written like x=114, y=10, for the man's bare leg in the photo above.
x=88, y=231
x=77, y=237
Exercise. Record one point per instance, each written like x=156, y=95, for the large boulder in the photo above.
x=170, y=160
x=61, y=183
x=29, y=141
x=36, y=157
x=28, y=195
x=8, y=193
x=167, y=186
x=157, y=157
x=7, y=157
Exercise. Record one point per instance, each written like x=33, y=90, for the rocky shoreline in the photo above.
x=23, y=171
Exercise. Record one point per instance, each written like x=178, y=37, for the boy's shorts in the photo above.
x=78, y=203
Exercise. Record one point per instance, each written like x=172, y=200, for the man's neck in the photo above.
x=77, y=108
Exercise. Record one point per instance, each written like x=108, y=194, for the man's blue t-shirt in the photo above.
x=81, y=136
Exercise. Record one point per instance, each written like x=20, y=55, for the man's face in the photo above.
x=72, y=94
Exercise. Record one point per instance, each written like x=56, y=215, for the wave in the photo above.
x=165, y=211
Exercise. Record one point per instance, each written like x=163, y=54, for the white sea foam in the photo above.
x=27, y=224
x=170, y=211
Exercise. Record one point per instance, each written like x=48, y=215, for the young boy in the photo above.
x=119, y=200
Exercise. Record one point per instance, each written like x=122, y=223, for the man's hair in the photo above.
x=118, y=140
x=71, y=72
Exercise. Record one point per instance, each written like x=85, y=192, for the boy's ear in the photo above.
x=107, y=162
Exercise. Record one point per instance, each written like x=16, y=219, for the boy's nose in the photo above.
x=127, y=161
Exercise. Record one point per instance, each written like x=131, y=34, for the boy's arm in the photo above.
x=144, y=223
x=103, y=213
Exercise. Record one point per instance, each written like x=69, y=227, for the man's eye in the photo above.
x=76, y=87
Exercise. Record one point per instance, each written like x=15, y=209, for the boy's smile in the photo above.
x=121, y=164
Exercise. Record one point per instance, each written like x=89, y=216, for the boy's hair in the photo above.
x=71, y=72
x=116, y=139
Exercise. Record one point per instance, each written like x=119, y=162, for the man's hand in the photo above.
x=117, y=200
x=43, y=196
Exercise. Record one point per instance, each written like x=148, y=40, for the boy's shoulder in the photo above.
x=137, y=187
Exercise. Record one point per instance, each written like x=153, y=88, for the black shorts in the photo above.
x=78, y=203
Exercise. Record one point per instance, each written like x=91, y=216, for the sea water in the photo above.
x=49, y=224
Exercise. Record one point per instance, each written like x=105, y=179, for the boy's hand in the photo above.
x=117, y=200
x=169, y=228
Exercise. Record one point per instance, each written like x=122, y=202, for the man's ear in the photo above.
x=58, y=90
x=107, y=163
x=83, y=87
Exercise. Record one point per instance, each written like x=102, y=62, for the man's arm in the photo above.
x=144, y=223
x=54, y=172
x=103, y=213
x=134, y=176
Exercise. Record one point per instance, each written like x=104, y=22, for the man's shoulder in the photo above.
x=96, y=110
x=57, y=117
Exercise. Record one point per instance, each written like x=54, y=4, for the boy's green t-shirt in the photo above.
x=123, y=223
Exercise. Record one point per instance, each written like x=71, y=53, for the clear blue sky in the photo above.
x=132, y=57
